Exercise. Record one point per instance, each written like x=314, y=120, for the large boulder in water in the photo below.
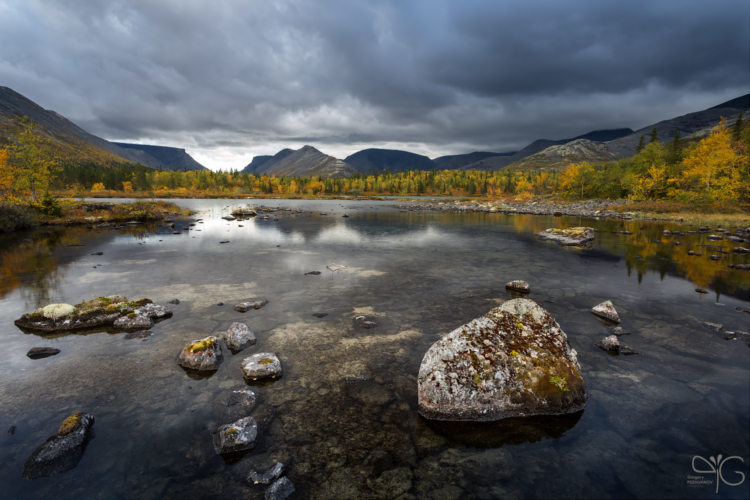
x=513, y=361
x=62, y=451
x=239, y=336
x=237, y=436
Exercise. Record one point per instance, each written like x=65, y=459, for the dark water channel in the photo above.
x=419, y=275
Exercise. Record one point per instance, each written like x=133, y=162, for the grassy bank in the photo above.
x=69, y=212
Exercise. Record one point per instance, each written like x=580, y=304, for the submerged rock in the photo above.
x=741, y=250
x=280, y=490
x=716, y=327
x=246, y=306
x=268, y=476
x=261, y=365
x=62, y=451
x=618, y=330
x=365, y=322
x=239, y=337
x=87, y=314
x=174, y=301
x=314, y=273
x=513, y=361
x=237, y=436
x=42, y=352
x=606, y=310
x=518, y=286
x=202, y=355
x=133, y=321
x=568, y=237
x=231, y=406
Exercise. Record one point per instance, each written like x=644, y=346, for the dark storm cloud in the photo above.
x=227, y=79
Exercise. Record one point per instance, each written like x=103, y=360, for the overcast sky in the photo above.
x=231, y=79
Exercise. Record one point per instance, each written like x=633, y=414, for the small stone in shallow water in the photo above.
x=233, y=405
x=610, y=343
x=618, y=330
x=42, y=352
x=220, y=303
x=365, y=322
x=237, y=436
x=174, y=301
x=202, y=355
x=606, y=310
x=701, y=290
x=716, y=327
x=143, y=334
x=239, y=337
x=518, y=286
x=246, y=306
x=269, y=476
x=280, y=490
x=320, y=315
x=314, y=273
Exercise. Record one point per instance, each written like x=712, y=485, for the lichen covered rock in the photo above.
x=133, y=321
x=611, y=343
x=96, y=312
x=607, y=311
x=513, y=361
x=261, y=365
x=280, y=490
x=62, y=451
x=568, y=237
x=154, y=311
x=237, y=436
x=202, y=355
x=239, y=337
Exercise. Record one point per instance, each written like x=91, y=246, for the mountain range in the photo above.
x=72, y=143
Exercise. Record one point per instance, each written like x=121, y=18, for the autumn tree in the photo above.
x=7, y=176
x=715, y=167
x=576, y=177
x=31, y=157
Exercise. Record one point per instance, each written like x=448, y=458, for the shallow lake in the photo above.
x=419, y=276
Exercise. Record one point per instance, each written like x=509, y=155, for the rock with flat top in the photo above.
x=610, y=343
x=261, y=365
x=606, y=310
x=568, y=237
x=513, y=361
x=133, y=321
x=280, y=490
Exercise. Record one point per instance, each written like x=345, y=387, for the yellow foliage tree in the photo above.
x=31, y=157
x=7, y=176
x=98, y=188
x=647, y=186
x=576, y=177
x=127, y=186
x=715, y=167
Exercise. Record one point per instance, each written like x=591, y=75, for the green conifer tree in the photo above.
x=641, y=145
x=737, y=129
x=654, y=137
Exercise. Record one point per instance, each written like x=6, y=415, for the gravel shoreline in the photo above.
x=588, y=208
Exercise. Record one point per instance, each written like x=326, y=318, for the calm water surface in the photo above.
x=420, y=275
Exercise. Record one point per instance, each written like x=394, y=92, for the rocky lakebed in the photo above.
x=357, y=349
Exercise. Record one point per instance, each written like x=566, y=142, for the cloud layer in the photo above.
x=229, y=79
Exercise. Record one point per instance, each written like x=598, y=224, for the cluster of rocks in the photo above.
x=611, y=343
x=727, y=334
x=114, y=310
x=588, y=208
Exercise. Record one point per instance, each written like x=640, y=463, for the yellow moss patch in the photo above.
x=266, y=361
x=201, y=345
x=231, y=430
x=70, y=424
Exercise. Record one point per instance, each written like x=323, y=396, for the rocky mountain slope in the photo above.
x=168, y=158
x=687, y=124
x=562, y=155
x=377, y=161
x=307, y=162
x=454, y=162
x=261, y=164
x=498, y=162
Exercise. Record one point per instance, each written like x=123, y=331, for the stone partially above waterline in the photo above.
x=237, y=436
x=568, y=237
x=607, y=311
x=201, y=355
x=239, y=337
x=62, y=451
x=518, y=286
x=100, y=311
x=246, y=306
x=513, y=361
x=261, y=365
